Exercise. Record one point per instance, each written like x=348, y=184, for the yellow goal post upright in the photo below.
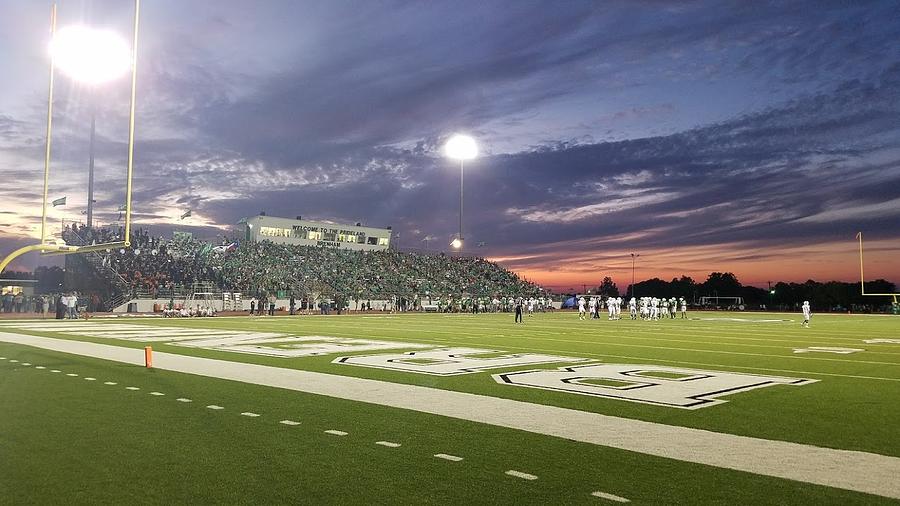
x=862, y=278
x=45, y=246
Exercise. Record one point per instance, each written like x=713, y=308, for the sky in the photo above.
x=750, y=137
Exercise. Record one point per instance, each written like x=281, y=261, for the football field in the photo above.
x=717, y=408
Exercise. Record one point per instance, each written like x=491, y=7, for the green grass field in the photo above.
x=69, y=439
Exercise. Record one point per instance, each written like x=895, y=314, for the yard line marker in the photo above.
x=90, y=379
x=247, y=413
x=520, y=474
x=289, y=422
x=182, y=399
x=55, y=370
x=157, y=393
x=13, y=360
x=451, y=458
x=26, y=364
x=213, y=406
x=389, y=444
x=609, y=497
x=336, y=432
x=39, y=367
x=110, y=383
x=71, y=374
x=132, y=388
x=2, y=358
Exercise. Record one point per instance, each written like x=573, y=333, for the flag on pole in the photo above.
x=186, y=214
x=59, y=202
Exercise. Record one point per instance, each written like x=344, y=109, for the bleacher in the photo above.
x=155, y=267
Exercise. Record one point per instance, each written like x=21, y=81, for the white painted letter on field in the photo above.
x=451, y=361
x=649, y=384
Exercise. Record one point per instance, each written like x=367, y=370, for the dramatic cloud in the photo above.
x=706, y=135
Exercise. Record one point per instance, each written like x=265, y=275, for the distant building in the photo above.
x=315, y=233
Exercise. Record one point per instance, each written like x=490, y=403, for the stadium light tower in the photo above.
x=633, y=257
x=462, y=148
x=93, y=57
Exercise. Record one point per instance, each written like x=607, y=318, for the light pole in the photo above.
x=462, y=148
x=93, y=57
x=633, y=257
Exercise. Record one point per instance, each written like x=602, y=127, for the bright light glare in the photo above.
x=456, y=243
x=89, y=55
x=461, y=147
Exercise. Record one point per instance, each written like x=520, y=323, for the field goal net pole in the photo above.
x=45, y=247
x=862, y=278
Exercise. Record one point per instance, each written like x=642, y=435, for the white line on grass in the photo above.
x=110, y=383
x=71, y=375
x=39, y=367
x=851, y=470
x=157, y=393
x=90, y=379
x=609, y=497
x=26, y=364
x=289, y=422
x=213, y=406
x=13, y=361
x=335, y=432
x=389, y=444
x=683, y=362
x=520, y=474
x=132, y=388
x=55, y=370
x=182, y=399
x=451, y=458
x=251, y=415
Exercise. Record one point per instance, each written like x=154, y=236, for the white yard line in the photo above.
x=852, y=470
x=451, y=458
x=520, y=474
x=609, y=497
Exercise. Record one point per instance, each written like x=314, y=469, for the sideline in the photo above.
x=852, y=470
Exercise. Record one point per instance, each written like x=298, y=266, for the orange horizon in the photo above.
x=837, y=261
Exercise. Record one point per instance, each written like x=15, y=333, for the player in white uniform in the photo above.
x=531, y=306
x=673, y=307
x=632, y=308
x=654, y=308
x=645, y=308
x=664, y=308
x=592, y=306
x=806, y=314
x=581, y=308
x=683, y=308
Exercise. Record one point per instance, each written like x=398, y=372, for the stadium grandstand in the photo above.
x=174, y=269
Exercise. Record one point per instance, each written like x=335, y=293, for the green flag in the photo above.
x=59, y=202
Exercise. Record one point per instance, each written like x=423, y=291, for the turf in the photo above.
x=94, y=443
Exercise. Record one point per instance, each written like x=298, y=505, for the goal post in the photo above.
x=862, y=277
x=50, y=248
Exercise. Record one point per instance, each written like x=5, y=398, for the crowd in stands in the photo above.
x=262, y=268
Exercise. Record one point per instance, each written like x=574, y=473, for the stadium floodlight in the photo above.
x=462, y=148
x=91, y=56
